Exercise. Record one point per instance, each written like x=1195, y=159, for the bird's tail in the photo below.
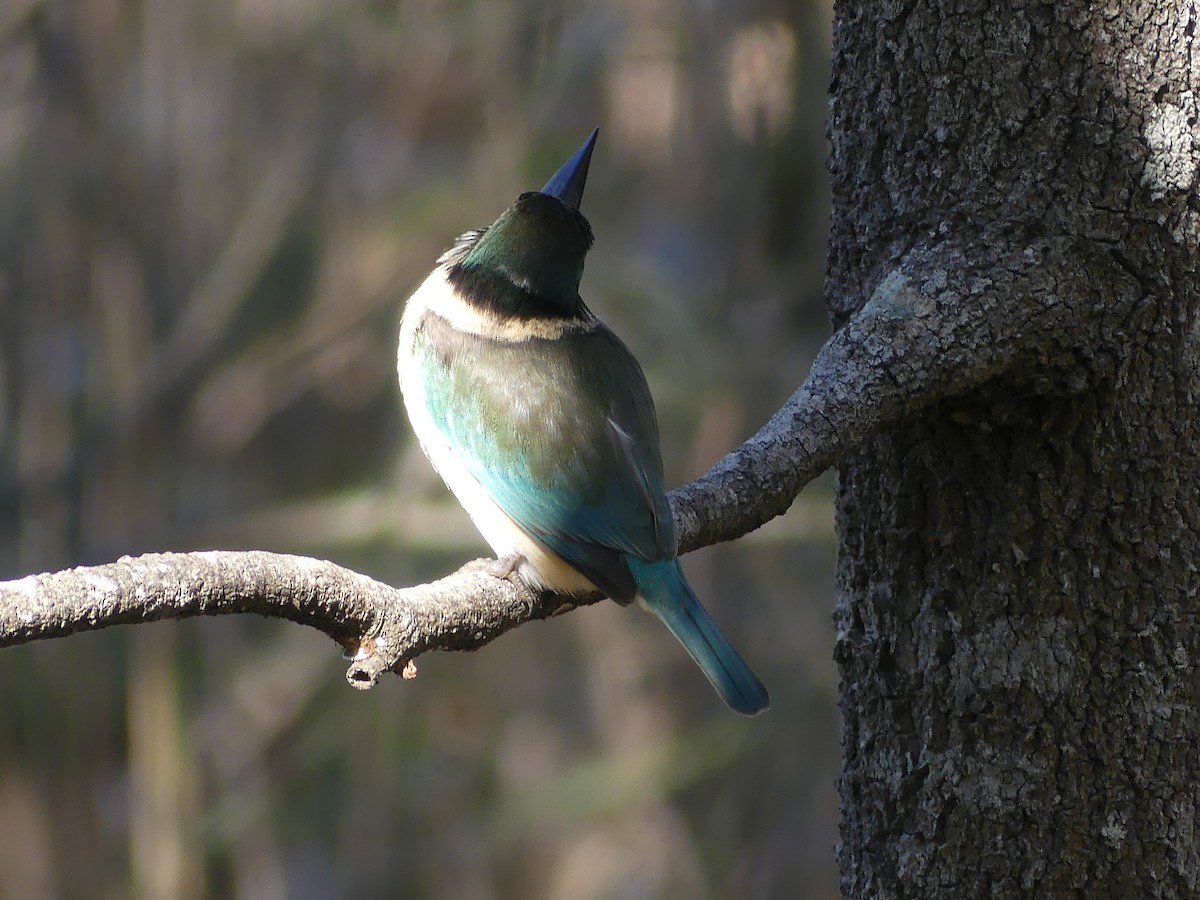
x=665, y=592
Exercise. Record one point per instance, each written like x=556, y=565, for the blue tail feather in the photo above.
x=665, y=592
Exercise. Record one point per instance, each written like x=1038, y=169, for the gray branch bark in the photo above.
x=379, y=626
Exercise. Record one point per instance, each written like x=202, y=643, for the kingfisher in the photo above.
x=540, y=421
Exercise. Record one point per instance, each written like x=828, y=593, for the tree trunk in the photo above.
x=1016, y=618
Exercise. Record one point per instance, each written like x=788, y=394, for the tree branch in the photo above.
x=944, y=320
x=381, y=627
x=933, y=327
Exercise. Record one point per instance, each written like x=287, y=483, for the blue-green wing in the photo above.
x=563, y=436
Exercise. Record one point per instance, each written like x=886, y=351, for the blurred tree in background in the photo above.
x=210, y=214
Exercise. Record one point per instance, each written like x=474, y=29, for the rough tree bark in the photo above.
x=1016, y=619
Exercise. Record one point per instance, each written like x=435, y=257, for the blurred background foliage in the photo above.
x=210, y=213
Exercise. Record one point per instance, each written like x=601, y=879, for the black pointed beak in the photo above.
x=567, y=183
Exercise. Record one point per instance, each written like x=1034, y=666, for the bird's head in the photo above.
x=529, y=262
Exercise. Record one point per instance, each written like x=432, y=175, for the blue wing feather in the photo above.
x=562, y=435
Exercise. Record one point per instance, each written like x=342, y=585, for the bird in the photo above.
x=541, y=423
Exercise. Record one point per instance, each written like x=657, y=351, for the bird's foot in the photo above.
x=509, y=568
x=506, y=566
